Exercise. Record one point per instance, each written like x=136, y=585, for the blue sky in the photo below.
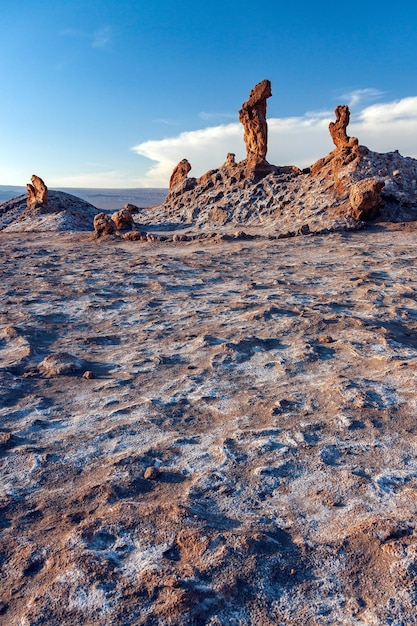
x=113, y=94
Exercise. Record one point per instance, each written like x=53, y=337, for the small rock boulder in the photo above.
x=365, y=199
x=103, y=225
x=152, y=473
x=123, y=219
x=131, y=207
x=135, y=235
x=60, y=364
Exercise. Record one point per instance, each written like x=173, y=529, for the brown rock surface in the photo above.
x=152, y=473
x=59, y=364
x=365, y=198
x=253, y=117
x=253, y=192
x=123, y=219
x=37, y=192
x=135, y=235
x=131, y=207
x=230, y=160
x=338, y=128
x=179, y=174
x=286, y=200
x=103, y=225
x=347, y=149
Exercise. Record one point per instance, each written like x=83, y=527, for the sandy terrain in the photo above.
x=270, y=386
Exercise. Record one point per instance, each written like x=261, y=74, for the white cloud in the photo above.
x=165, y=121
x=205, y=149
x=292, y=141
x=390, y=112
x=389, y=126
x=326, y=114
x=100, y=38
x=360, y=96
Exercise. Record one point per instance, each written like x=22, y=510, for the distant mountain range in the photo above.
x=106, y=199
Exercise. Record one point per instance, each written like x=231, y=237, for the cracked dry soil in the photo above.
x=270, y=386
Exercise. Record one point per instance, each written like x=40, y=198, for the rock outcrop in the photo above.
x=253, y=117
x=59, y=364
x=131, y=207
x=123, y=219
x=327, y=196
x=230, y=160
x=103, y=225
x=179, y=175
x=338, y=128
x=179, y=181
x=219, y=186
x=37, y=192
x=347, y=148
x=364, y=184
x=288, y=201
x=365, y=198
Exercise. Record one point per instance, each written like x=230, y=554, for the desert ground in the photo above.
x=209, y=432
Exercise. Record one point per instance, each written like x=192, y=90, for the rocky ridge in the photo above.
x=288, y=200
x=350, y=185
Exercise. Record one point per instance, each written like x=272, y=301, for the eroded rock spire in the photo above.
x=37, y=192
x=179, y=173
x=253, y=117
x=338, y=128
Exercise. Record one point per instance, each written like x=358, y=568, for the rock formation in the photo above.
x=347, y=148
x=364, y=198
x=253, y=117
x=341, y=191
x=230, y=159
x=59, y=364
x=179, y=181
x=103, y=225
x=64, y=212
x=131, y=207
x=179, y=174
x=37, y=192
x=338, y=128
x=123, y=219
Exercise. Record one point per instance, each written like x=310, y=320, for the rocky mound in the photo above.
x=350, y=185
x=340, y=171
x=289, y=200
x=63, y=212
